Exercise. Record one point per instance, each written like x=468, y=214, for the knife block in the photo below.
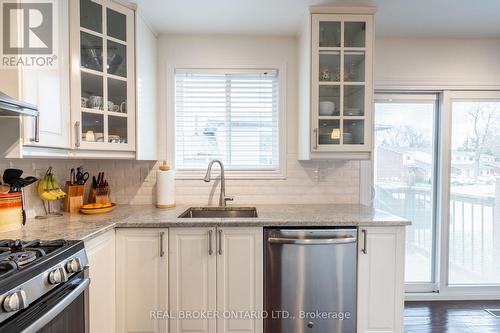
x=74, y=197
x=99, y=195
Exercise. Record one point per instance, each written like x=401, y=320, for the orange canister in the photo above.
x=11, y=211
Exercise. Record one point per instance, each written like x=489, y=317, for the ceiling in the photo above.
x=394, y=18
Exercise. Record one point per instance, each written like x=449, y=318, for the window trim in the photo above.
x=279, y=173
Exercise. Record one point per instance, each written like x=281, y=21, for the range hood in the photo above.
x=10, y=107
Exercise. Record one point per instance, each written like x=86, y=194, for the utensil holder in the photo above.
x=99, y=195
x=74, y=197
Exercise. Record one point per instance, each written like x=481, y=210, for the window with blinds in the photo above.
x=227, y=115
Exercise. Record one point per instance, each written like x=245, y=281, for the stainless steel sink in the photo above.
x=219, y=212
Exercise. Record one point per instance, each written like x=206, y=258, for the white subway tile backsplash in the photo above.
x=134, y=182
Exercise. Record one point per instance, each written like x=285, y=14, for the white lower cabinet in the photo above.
x=101, y=255
x=215, y=271
x=239, y=278
x=381, y=253
x=192, y=278
x=211, y=280
x=141, y=280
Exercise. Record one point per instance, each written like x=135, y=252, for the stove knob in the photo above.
x=74, y=265
x=57, y=276
x=15, y=301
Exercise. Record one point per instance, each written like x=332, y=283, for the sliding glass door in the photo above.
x=405, y=176
x=474, y=189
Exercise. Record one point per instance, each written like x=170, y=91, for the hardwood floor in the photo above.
x=451, y=317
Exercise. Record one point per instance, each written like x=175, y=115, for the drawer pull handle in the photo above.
x=365, y=241
x=161, y=244
x=220, y=242
x=210, y=251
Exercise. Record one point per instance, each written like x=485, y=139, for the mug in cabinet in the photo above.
x=113, y=138
x=84, y=102
x=123, y=107
x=96, y=102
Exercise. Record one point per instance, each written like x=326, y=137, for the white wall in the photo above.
x=437, y=63
x=308, y=182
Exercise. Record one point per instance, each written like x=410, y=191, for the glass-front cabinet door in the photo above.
x=341, y=82
x=102, y=75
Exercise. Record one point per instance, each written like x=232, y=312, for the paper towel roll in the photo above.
x=165, y=187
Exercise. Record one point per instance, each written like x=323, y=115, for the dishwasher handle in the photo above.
x=312, y=241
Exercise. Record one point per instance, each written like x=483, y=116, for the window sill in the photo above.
x=231, y=174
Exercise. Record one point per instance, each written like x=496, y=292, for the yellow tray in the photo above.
x=101, y=210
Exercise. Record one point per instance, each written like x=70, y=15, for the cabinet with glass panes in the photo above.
x=341, y=88
x=102, y=75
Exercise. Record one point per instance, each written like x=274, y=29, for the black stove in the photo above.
x=31, y=271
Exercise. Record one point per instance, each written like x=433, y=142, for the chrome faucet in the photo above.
x=222, y=197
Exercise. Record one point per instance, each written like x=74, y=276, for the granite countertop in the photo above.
x=85, y=227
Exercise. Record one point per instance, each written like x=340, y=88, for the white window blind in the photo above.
x=231, y=116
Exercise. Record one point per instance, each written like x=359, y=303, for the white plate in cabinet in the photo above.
x=381, y=252
x=216, y=269
x=141, y=279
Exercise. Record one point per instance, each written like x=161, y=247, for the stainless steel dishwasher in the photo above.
x=310, y=280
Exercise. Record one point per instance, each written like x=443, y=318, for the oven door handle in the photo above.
x=312, y=241
x=57, y=309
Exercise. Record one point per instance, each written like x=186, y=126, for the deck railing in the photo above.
x=472, y=229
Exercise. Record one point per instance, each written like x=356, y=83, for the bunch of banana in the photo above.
x=48, y=189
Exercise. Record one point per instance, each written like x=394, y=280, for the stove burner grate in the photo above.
x=16, y=254
x=23, y=258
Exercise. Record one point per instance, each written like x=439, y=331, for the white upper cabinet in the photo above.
x=48, y=88
x=102, y=75
x=146, y=86
x=87, y=103
x=337, y=103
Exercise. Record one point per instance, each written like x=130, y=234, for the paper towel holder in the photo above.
x=165, y=167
